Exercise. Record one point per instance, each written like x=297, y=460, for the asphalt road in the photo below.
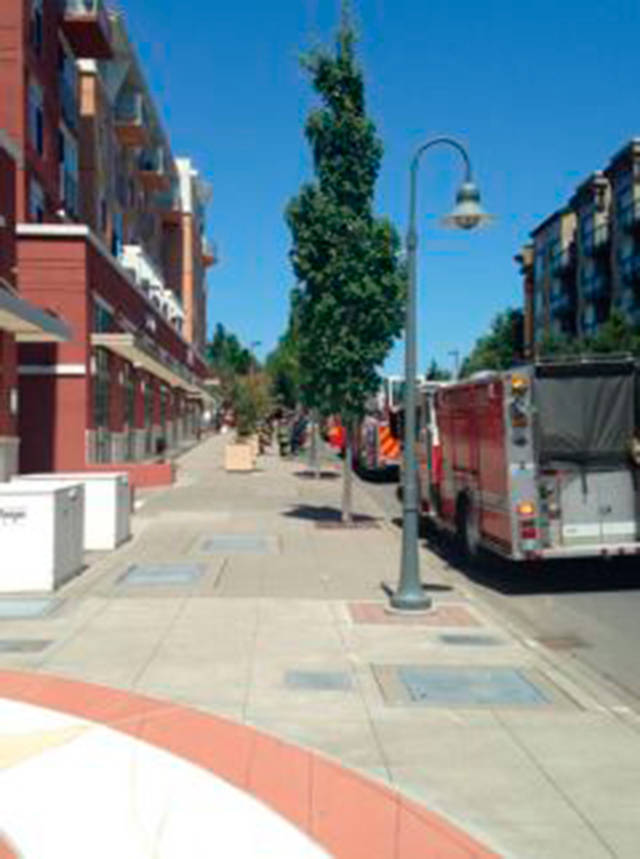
x=588, y=609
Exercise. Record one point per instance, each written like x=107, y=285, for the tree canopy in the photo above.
x=350, y=295
x=502, y=347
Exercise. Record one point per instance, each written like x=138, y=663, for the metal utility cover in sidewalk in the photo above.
x=227, y=544
x=467, y=687
x=22, y=645
x=161, y=574
x=318, y=681
x=27, y=608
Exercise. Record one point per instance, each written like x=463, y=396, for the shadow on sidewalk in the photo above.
x=528, y=578
x=325, y=514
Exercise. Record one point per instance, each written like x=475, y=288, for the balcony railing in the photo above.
x=563, y=260
x=561, y=302
x=87, y=27
x=68, y=102
x=131, y=119
x=152, y=166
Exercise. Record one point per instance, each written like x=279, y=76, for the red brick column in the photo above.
x=8, y=383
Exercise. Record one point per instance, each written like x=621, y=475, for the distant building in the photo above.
x=584, y=260
x=106, y=236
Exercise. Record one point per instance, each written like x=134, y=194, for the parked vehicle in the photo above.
x=539, y=462
x=377, y=443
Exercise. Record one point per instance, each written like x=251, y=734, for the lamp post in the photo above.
x=466, y=215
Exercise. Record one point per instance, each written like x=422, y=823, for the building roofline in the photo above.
x=554, y=216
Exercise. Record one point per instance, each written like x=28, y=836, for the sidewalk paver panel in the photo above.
x=471, y=640
x=256, y=544
x=22, y=645
x=161, y=574
x=26, y=608
x=470, y=686
x=447, y=614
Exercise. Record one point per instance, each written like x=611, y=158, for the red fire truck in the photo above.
x=377, y=445
x=539, y=462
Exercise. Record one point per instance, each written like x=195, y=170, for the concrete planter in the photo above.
x=41, y=529
x=239, y=457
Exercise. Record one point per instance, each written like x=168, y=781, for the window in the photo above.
x=101, y=405
x=36, y=202
x=116, y=235
x=68, y=158
x=102, y=319
x=36, y=118
x=35, y=26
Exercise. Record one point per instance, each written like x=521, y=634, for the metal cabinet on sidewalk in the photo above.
x=107, y=519
x=41, y=530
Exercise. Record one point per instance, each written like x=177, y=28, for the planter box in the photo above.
x=41, y=530
x=239, y=457
x=107, y=505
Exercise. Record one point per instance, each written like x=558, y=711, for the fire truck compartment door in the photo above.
x=598, y=507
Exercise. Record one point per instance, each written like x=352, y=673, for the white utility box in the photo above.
x=41, y=526
x=107, y=505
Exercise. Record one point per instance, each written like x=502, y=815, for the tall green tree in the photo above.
x=351, y=286
x=501, y=348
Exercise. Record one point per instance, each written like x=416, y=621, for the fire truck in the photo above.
x=377, y=444
x=539, y=462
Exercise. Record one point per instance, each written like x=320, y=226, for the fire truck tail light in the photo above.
x=519, y=384
x=526, y=508
x=528, y=531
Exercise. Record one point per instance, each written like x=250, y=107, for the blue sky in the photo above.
x=541, y=93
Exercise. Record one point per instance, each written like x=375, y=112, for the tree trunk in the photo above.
x=347, y=476
x=314, y=459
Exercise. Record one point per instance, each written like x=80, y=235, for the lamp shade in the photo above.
x=467, y=213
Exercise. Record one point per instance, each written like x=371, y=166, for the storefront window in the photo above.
x=101, y=405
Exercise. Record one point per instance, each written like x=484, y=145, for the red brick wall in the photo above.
x=8, y=381
x=7, y=212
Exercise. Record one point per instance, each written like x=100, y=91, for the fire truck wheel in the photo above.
x=467, y=527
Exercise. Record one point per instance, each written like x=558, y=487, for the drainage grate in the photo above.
x=26, y=608
x=22, y=645
x=470, y=686
x=318, y=681
x=562, y=642
x=161, y=574
x=470, y=640
x=256, y=544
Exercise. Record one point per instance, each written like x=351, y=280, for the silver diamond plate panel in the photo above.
x=256, y=544
x=161, y=574
x=318, y=681
x=470, y=687
x=26, y=608
x=22, y=645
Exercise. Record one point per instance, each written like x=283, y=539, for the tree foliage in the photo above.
x=283, y=367
x=350, y=295
x=615, y=335
x=436, y=373
x=502, y=347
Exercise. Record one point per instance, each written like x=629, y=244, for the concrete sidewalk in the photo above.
x=245, y=601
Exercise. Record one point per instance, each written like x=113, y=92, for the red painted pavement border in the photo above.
x=353, y=817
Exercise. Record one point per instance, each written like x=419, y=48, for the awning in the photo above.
x=132, y=348
x=30, y=324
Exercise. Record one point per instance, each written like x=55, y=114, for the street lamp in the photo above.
x=466, y=215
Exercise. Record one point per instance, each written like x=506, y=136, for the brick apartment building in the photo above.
x=109, y=237
x=584, y=260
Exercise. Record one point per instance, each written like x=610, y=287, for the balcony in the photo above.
x=209, y=253
x=152, y=168
x=87, y=27
x=629, y=217
x=563, y=261
x=630, y=270
x=131, y=119
x=168, y=205
x=601, y=239
x=596, y=286
x=561, y=303
x=68, y=103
